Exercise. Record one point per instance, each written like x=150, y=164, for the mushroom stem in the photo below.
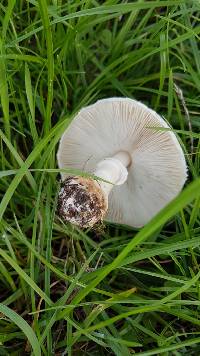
x=114, y=170
x=84, y=201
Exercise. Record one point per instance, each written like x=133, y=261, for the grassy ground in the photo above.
x=114, y=291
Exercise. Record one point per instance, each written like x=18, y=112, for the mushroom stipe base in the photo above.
x=81, y=202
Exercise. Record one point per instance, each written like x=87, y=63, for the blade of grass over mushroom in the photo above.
x=24, y=326
x=55, y=170
x=183, y=132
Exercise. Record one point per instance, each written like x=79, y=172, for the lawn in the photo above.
x=111, y=290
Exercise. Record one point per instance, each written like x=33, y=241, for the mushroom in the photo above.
x=141, y=168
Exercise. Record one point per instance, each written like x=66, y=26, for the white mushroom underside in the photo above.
x=157, y=172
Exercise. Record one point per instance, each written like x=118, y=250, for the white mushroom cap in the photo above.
x=157, y=171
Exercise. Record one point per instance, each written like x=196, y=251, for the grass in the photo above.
x=114, y=290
